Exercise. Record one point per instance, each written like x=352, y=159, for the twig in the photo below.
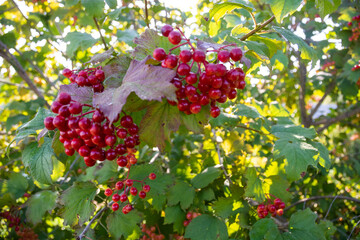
x=349, y=237
x=328, y=90
x=321, y=197
x=71, y=167
x=255, y=30
x=5, y=53
x=82, y=234
x=254, y=20
x=221, y=159
x=302, y=91
x=102, y=37
x=327, y=213
x=252, y=129
x=146, y=13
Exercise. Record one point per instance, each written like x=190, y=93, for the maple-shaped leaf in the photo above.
x=79, y=94
x=101, y=57
x=115, y=70
x=147, y=81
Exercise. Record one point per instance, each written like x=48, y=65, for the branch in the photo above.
x=254, y=20
x=146, y=13
x=221, y=160
x=252, y=129
x=329, y=121
x=70, y=168
x=328, y=90
x=102, y=37
x=322, y=197
x=349, y=237
x=255, y=30
x=302, y=91
x=5, y=53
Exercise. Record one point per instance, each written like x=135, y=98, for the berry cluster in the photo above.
x=178, y=237
x=95, y=138
x=150, y=233
x=356, y=67
x=129, y=188
x=212, y=82
x=275, y=208
x=24, y=233
x=355, y=24
x=190, y=216
x=330, y=67
x=91, y=77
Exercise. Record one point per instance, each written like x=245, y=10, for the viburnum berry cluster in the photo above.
x=330, y=67
x=13, y=221
x=212, y=82
x=129, y=189
x=150, y=233
x=90, y=77
x=95, y=138
x=355, y=25
x=356, y=67
x=274, y=208
x=190, y=216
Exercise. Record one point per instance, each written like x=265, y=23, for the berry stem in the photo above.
x=178, y=46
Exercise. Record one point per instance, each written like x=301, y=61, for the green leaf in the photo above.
x=272, y=45
x=299, y=156
x=207, y=194
x=101, y=57
x=181, y=193
x=219, y=10
x=266, y=229
x=324, y=155
x=107, y=171
x=39, y=160
x=34, y=124
x=94, y=8
x=111, y=3
x=147, y=81
x=293, y=130
x=126, y=36
x=78, y=40
x=278, y=186
x=39, y=204
x=9, y=39
x=281, y=8
x=224, y=207
x=254, y=187
x=206, y=177
x=176, y=216
x=206, y=227
x=17, y=184
x=327, y=6
x=125, y=225
x=77, y=201
x=307, y=52
x=243, y=110
x=56, y=145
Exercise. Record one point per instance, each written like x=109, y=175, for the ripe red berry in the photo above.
x=142, y=194
x=282, y=205
x=133, y=129
x=215, y=112
x=159, y=54
x=98, y=116
x=81, y=81
x=271, y=208
x=189, y=216
x=194, y=98
x=199, y=56
x=222, y=98
x=183, y=105
x=48, y=122
x=265, y=213
x=183, y=69
x=110, y=140
x=100, y=75
x=171, y=61
x=191, y=78
x=75, y=108
x=84, y=151
x=64, y=111
x=236, y=54
x=126, y=121
x=89, y=162
x=166, y=29
x=119, y=185
x=60, y=123
x=217, y=82
x=186, y=223
x=214, y=93
x=224, y=56
x=55, y=106
x=122, y=161
x=261, y=208
x=121, y=149
x=210, y=69
x=123, y=198
x=146, y=188
x=64, y=98
x=84, y=123
x=204, y=100
x=108, y=192
x=129, y=182
x=67, y=72
x=111, y=154
x=115, y=206
x=195, y=108
x=152, y=176
x=190, y=90
x=133, y=191
x=174, y=37
x=98, y=88
x=232, y=94
x=241, y=85
x=280, y=212
x=277, y=201
x=93, y=80
x=76, y=143
x=116, y=197
x=69, y=152
x=185, y=56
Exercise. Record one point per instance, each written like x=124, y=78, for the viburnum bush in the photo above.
x=242, y=124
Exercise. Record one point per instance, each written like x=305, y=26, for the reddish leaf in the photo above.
x=79, y=94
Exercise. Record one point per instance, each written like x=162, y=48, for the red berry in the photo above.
x=186, y=223
x=119, y=185
x=152, y=176
x=81, y=81
x=84, y=151
x=185, y=56
x=110, y=140
x=75, y=108
x=115, y=206
x=280, y=212
x=183, y=69
x=48, y=122
x=129, y=182
x=107, y=129
x=64, y=111
x=214, y=93
x=126, y=121
x=116, y=197
x=271, y=208
x=222, y=98
x=191, y=78
x=174, y=37
x=189, y=216
x=64, y=98
x=93, y=80
x=232, y=94
x=183, y=105
x=98, y=88
x=220, y=70
x=84, y=123
x=98, y=116
x=194, y=98
x=277, y=201
x=217, y=82
x=171, y=61
x=236, y=54
x=146, y=188
x=108, y=192
x=195, y=108
x=265, y=213
x=261, y=208
x=215, y=112
x=142, y=194
x=210, y=69
x=60, y=123
x=241, y=85
x=122, y=161
x=204, y=100
x=69, y=152
x=133, y=129
x=282, y=205
x=199, y=56
x=190, y=90
x=89, y=161
x=166, y=29
x=159, y=54
x=121, y=149
x=67, y=72
x=111, y=154
x=133, y=191
x=55, y=106
x=73, y=122
x=76, y=143
x=100, y=75
x=123, y=198
x=224, y=56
